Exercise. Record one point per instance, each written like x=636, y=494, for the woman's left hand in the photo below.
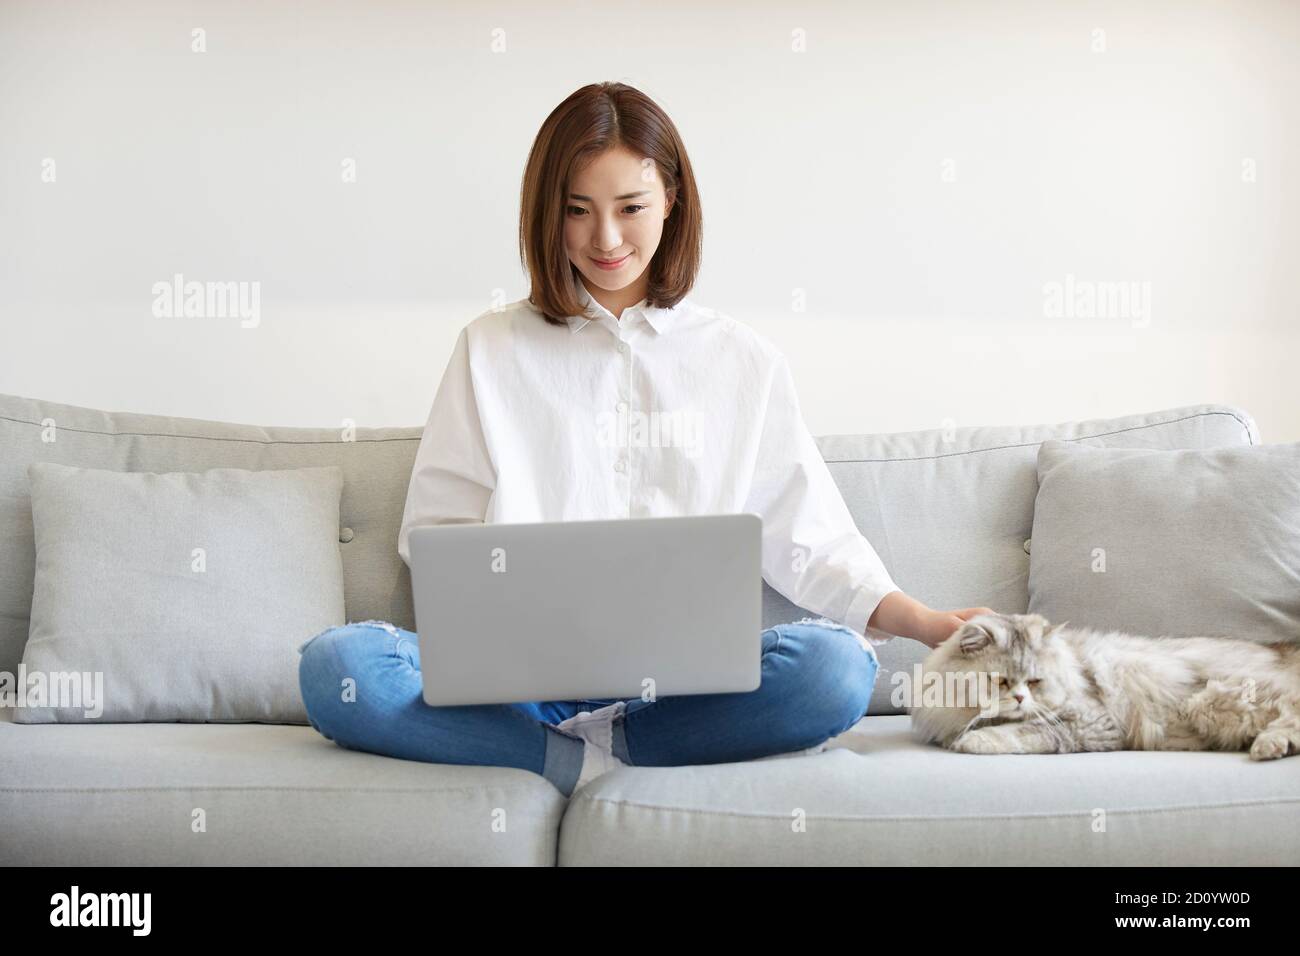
x=938, y=626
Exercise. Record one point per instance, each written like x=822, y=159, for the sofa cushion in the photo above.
x=178, y=596
x=1179, y=542
x=376, y=465
x=949, y=511
x=878, y=797
x=253, y=795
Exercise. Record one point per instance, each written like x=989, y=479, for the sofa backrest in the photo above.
x=948, y=510
x=376, y=464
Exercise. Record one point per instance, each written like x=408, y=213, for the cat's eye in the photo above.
x=1034, y=681
x=1002, y=682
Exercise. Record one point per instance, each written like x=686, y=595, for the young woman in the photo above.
x=608, y=393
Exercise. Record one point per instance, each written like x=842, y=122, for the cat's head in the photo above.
x=1004, y=666
x=1024, y=666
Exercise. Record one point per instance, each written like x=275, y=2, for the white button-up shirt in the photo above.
x=667, y=412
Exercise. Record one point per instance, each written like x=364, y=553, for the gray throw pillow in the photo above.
x=188, y=593
x=1180, y=542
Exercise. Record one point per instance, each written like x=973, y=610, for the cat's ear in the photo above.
x=1055, y=629
x=972, y=637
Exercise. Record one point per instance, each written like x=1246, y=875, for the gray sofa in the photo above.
x=948, y=512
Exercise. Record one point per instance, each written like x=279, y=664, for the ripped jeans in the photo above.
x=362, y=688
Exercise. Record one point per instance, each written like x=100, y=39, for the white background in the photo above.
x=821, y=171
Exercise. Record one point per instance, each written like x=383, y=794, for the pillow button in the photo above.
x=1026, y=544
x=345, y=535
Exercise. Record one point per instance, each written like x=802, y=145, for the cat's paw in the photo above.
x=974, y=742
x=1269, y=745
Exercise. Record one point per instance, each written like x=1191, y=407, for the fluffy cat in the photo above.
x=1065, y=690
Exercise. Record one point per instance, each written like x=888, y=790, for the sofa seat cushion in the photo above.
x=878, y=797
x=127, y=794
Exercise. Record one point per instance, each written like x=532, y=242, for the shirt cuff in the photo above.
x=863, y=606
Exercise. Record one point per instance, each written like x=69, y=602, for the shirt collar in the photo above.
x=661, y=320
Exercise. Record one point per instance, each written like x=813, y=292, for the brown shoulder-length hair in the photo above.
x=594, y=119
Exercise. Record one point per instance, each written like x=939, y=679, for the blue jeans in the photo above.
x=362, y=688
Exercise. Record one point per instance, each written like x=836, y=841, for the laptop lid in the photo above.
x=580, y=610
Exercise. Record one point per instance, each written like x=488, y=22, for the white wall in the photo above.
x=916, y=176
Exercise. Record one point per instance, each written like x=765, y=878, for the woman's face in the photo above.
x=615, y=210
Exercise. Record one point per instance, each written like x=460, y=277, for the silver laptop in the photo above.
x=582, y=610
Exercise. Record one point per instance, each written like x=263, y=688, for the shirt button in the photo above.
x=621, y=407
x=622, y=346
x=620, y=466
